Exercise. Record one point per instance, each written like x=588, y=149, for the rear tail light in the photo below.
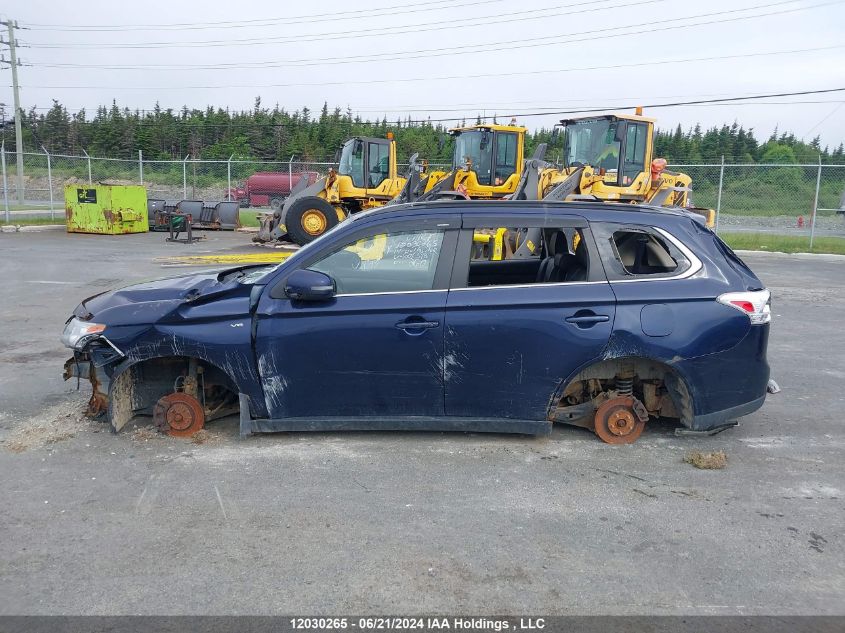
x=755, y=303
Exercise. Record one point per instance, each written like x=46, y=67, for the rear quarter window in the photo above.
x=631, y=252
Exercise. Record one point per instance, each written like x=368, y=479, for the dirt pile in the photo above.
x=56, y=423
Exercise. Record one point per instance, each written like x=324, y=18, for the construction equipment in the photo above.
x=366, y=177
x=213, y=216
x=608, y=158
x=486, y=163
x=604, y=160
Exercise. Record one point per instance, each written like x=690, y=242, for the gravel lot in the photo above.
x=783, y=224
x=136, y=523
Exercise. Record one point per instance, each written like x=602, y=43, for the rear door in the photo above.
x=513, y=336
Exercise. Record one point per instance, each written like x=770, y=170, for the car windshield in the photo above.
x=352, y=161
x=475, y=148
x=593, y=142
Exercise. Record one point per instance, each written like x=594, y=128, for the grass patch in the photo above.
x=707, y=461
x=784, y=243
x=249, y=217
x=32, y=207
x=60, y=219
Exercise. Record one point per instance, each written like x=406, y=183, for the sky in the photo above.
x=444, y=60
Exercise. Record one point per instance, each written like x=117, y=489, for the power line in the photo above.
x=422, y=27
x=503, y=113
x=736, y=100
x=648, y=106
x=825, y=118
x=523, y=73
x=397, y=9
x=442, y=107
x=346, y=34
x=497, y=109
x=465, y=49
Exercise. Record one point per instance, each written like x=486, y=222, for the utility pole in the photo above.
x=11, y=25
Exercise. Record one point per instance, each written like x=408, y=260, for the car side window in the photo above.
x=388, y=262
x=639, y=252
x=504, y=256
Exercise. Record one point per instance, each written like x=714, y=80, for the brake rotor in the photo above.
x=617, y=422
x=179, y=415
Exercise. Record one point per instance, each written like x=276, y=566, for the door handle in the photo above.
x=417, y=325
x=586, y=320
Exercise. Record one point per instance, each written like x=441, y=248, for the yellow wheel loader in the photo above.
x=608, y=158
x=486, y=163
x=366, y=177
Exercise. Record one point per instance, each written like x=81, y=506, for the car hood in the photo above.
x=150, y=301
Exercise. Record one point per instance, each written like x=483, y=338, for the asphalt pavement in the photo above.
x=136, y=523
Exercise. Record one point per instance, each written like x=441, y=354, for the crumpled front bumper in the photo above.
x=83, y=369
x=95, y=363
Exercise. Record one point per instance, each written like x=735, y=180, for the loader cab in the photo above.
x=617, y=147
x=368, y=161
x=494, y=153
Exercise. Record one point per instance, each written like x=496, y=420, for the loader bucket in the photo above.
x=445, y=185
x=215, y=217
x=228, y=214
x=269, y=222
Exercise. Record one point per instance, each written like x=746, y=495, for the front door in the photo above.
x=375, y=349
x=516, y=328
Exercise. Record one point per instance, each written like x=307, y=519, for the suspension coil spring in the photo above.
x=625, y=386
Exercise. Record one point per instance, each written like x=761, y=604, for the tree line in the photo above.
x=277, y=134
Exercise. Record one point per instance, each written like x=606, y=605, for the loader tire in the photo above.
x=308, y=218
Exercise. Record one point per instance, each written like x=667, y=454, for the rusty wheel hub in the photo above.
x=179, y=415
x=617, y=422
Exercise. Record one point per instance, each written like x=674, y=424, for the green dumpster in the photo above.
x=107, y=209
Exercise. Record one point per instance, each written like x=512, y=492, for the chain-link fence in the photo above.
x=772, y=198
x=748, y=197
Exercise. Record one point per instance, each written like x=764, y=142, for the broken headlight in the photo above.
x=77, y=333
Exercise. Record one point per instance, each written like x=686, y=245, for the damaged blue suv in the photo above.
x=470, y=316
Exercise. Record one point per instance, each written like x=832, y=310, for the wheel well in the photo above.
x=657, y=385
x=137, y=387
